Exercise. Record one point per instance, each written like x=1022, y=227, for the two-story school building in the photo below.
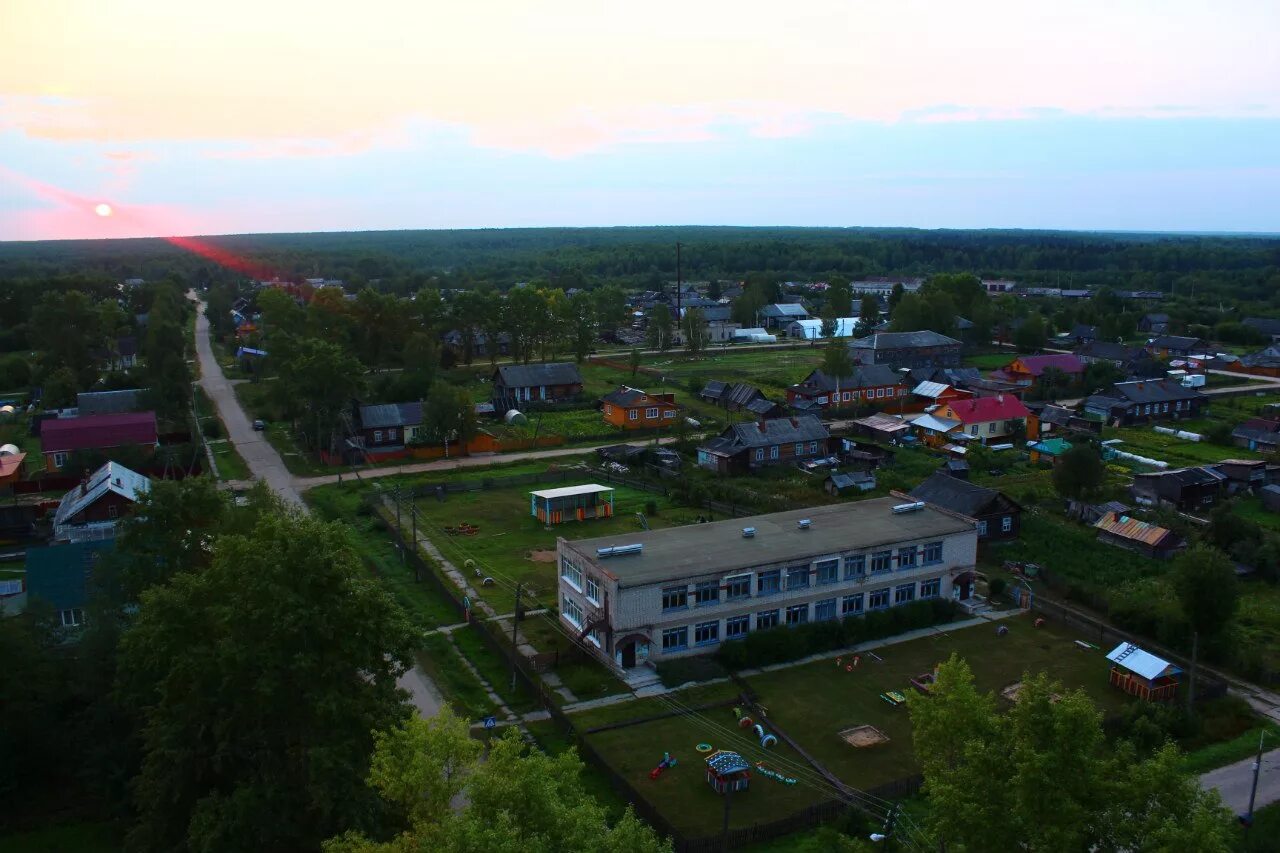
x=644, y=597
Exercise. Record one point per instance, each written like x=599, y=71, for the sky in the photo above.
x=275, y=115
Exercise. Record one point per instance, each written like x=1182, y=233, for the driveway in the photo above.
x=1235, y=780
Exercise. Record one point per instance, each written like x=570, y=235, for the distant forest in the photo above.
x=1245, y=268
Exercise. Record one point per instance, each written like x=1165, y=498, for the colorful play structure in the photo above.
x=667, y=761
x=925, y=681
x=1142, y=674
x=727, y=771
x=567, y=503
x=767, y=739
x=893, y=697
x=773, y=774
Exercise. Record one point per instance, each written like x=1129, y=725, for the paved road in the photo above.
x=1235, y=780
x=263, y=460
x=265, y=464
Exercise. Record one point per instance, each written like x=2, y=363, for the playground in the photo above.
x=840, y=714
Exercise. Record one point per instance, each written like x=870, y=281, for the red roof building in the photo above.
x=61, y=437
x=986, y=418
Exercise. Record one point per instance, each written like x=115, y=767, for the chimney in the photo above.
x=1000, y=399
x=760, y=426
x=795, y=422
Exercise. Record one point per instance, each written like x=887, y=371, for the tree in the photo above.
x=1205, y=583
x=964, y=289
x=1031, y=334
x=695, y=331
x=714, y=290
x=60, y=388
x=746, y=308
x=895, y=296
x=611, y=308
x=167, y=372
x=516, y=801
x=449, y=415
x=66, y=323
x=868, y=313
x=582, y=323
x=1101, y=374
x=633, y=361
x=280, y=312
x=1042, y=776
x=839, y=297
x=830, y=324
x=1079, y=474
x=659, y=329
x=317, y=381
x=836, y=360
x=259, y=681
x=1053, y=382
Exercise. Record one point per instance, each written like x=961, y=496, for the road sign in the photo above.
x=490, y=722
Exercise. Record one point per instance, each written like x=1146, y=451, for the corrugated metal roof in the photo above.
x=112, y=477
x=1132, y=529
x=930, y=389
x=1143, y=663
x=934, y=424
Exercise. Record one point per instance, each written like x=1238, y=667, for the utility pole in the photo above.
x=515, y=650
x=413, y=515
x=1253, y=792
x=679, y=285
x=399, y=523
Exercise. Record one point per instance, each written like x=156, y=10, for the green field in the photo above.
x=814, y=703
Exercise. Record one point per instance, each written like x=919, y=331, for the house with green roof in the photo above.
x=60, y=575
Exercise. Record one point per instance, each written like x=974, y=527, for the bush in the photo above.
x=650, y=507
x=762, y=648
x=996, y=587
x=212, y=428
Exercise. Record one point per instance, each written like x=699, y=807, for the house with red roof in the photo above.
x=1027, y=369
x=987, y=419
x=60, y=438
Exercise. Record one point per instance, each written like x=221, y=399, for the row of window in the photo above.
x=572, y=574
x=1006, y=524
x=649, y=414
x=1157, y=408
x=850, y=396
x=708, y=633
x=775, y=450
x=827, y=571
x=392, y=433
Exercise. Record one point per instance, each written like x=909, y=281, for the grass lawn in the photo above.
x=509, y=539
x=494, y=668
x=1178, y=452
x=444, y=666
x=65, y=838
x=770, y=370
x=231, y=465
x=1072, y=552
x=1252, y=509
x=814, y=703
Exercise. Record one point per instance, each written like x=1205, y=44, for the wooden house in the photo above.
x=1150, y=540
x=631, y=408
x=996, y=515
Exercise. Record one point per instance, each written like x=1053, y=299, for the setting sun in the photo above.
x=103, y=209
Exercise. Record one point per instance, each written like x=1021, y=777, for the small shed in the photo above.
x=1048, y=450
x=553, y=506
x=1142, y=674
x=728, y=771
x=859, y=481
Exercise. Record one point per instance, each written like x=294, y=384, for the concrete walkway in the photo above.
x=1235, y=780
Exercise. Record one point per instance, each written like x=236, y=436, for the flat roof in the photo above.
x=568, y=491
x=719, y=546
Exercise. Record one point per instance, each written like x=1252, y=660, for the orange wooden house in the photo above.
x=631, y=408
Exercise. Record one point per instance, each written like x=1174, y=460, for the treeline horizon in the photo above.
x=1236, y=266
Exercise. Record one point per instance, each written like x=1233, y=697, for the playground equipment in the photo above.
x=728, y=771
x=667, y=761
x=773, y=774
x=893, y=697
x=852, y=665
x=767, y=739
x=704, y=747
x=744, y=722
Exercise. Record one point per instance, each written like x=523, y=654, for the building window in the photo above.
x=766, y=619
x=904, y=593
x=825, y=610
x=907, y=556
x=773, y=452
x=608, y=409
x=72, y=617
x=991, y=428
x=593, y=590
x=651, y=413
x=797, y=577
x=706, y=633
x=769, y=582
x=736, y=626
x=888, y=392
x=1177, y=407
x=759, y=454
x=828, y=571
x=973, y=430
x=571, y=573
x=855, y=566
x=59, y=459
x=799, y=448
x=669, y=413
x=813, y=447
x=798, y=614
x=848, y=395
x=1006, y=524
x=674, y=639
x=931, y=589
x=571, y=611
x=391, y=434
x=982, y=528
x=881, y=561
x=633, y=415
x=675, y=598
x=707, y=592
x=851, y=605
x=377, y=436
x=932, y=553
x=738, y=586
x=879, y=392
x=878, y=600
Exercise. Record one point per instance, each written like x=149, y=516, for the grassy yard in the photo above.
x=1178, y=452
x=79, y=837
x=814, y=703
x=231, y=465
x=1252, y=509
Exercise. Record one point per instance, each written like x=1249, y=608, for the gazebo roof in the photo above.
x=724, y=763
